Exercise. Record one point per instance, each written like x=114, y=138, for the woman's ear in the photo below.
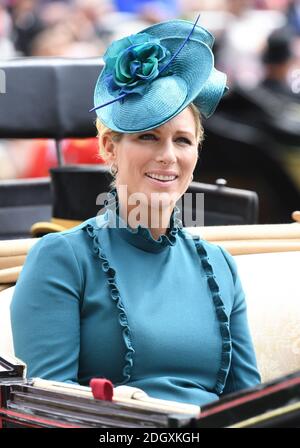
x=109, y=147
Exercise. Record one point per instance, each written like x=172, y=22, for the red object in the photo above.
x=84, y=150
x=102, y=389
x=42, y=155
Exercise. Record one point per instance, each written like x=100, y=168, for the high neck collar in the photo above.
x=140, y=236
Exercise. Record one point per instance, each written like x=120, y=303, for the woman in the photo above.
x=130, y=295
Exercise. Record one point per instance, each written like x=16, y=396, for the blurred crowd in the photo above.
x=257, y=43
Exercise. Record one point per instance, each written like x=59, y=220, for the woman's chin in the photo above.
x=158, y=198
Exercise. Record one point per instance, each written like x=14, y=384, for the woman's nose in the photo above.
x=166, y=153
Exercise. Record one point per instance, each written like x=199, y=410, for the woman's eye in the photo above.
x=147, y=137
x=184, y=140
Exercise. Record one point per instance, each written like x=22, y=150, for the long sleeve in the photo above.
x=45, y=311
x=243, y=371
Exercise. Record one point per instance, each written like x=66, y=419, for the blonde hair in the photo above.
x=116, y=136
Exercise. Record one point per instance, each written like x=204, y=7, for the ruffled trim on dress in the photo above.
x=221, y=315
x=140, y=236
x=165, y=240
x=115, y=295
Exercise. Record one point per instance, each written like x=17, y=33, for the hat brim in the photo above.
x=180, y=28
x=167, y=95
x=211, y=93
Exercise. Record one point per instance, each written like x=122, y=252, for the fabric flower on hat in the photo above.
x=133, y=63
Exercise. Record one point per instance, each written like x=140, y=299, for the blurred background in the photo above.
x=253, y=141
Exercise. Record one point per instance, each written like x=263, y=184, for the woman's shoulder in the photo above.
x=215, y=253
x=76, y=239
x=195, y=239
x=64, y=254
x=76, y=234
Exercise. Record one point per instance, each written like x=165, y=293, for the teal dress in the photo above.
x=167, y=315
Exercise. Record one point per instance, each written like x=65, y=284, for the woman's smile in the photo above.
x=162, y=178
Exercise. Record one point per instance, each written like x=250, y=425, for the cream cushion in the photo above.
x=271, y=282
x=6, y=342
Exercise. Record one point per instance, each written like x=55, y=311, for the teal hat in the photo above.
x=151, y=76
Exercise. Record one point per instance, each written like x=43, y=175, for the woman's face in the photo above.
x=161, y=160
